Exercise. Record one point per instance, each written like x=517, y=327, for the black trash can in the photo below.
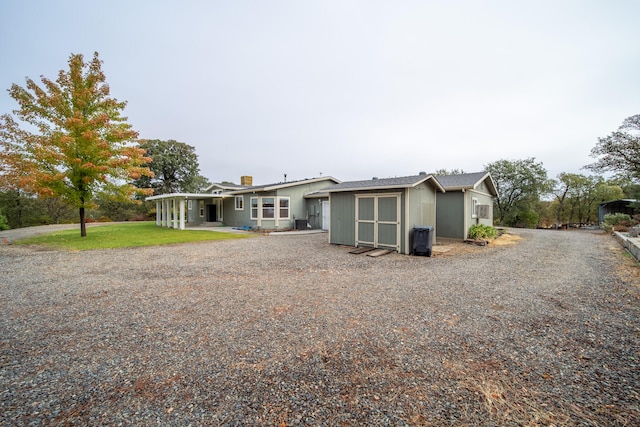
x=421, y=240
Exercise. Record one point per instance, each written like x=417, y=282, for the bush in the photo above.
x=4, y=224
x=620, y=221
x=482, y=232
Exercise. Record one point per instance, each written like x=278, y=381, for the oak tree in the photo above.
x=619, y=152
x=175, y=168
x=68, y=139
x=519, y=184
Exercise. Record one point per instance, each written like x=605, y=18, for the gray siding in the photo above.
x=422, y=211
x=343, y=213
x=237, y=218
x=450, y=214
x=483, y=199
x=299, y=208
x=314, y=211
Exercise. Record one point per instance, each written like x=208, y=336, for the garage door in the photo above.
x=378, y=221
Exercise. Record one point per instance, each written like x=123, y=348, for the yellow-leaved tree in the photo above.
x=68, y=139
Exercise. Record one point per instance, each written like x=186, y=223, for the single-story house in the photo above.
x=381, y=213
x=467, y=200
x=625, y=206
x=274, y=206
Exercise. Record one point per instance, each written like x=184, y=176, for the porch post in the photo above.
x=158, y=213
x=167, y=213
x=174, y=223
x=181, y=214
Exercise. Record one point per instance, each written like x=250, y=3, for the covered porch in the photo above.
x=175, y=210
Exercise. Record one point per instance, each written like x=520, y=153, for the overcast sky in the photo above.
x=351, y=89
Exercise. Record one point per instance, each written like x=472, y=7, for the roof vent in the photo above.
x=374, y=178
x=422, y=173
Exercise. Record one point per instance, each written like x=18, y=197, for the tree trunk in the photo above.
x=83, y=225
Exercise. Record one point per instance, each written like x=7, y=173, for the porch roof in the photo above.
x=187, y=196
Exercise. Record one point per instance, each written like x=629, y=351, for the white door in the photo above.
x=325, y=215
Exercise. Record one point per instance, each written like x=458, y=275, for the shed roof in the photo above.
x=385, y=183
x=466, y=181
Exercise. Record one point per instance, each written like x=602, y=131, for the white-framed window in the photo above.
x=474, y=208
x=254, y=207
x=190, y=204
x=268, y=207
x=283, y=207
x=201, y=207
x=239, y=203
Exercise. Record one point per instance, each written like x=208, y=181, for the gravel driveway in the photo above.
x=290, y=330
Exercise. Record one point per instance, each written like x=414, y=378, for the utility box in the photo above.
x=301, y=224
x=421, y=240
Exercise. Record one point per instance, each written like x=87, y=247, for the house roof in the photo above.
x=225, y=186
x=385, y=183
x=280, y=185
x=466, y=181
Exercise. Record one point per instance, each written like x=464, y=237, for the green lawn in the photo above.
x=124, y=235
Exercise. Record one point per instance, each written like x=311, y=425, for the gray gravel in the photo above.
x=290, y=330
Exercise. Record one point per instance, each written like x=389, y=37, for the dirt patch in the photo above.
x=506, y=239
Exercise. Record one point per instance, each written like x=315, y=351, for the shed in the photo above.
x=468, y=200
x=625, y=206
x=381, y=213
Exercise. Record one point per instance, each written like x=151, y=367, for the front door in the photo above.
x=378, y=221
x=212, y=213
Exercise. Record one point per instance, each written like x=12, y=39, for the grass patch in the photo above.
x=131, y=234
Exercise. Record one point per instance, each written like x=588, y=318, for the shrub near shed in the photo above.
x=482, y=232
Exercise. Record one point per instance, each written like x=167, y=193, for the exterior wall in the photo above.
x=455, y=212
x=483, y=199
x=193, y=218
x=421, y=211
x=237, y=218
x=450, y=214
x=299, y=207
x=314, y=211
x=343, y=213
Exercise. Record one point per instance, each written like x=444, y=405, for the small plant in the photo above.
x=4, y=224
x=482, y=232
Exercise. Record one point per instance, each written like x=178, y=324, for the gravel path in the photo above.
x=290, y=330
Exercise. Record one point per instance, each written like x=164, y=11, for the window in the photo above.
x=283, y=212
x=254, y=208
x=268, y=207
x=474, y=208
x=190, y=205
x=201, y=207
x=239, y=203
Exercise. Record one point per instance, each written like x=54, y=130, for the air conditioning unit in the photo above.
x=484, y=211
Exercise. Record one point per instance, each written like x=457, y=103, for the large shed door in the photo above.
x=378, y=221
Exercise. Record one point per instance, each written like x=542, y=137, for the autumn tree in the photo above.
x=68, y=139
x=619, y=152
x=175, y=168
x=519, y=184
